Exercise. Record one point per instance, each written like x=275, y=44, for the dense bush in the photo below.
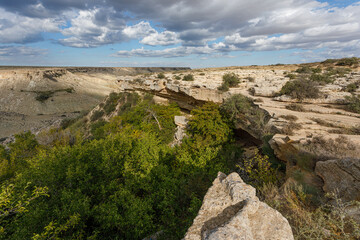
x=188, y=77
x=304, y=69
x=300, y=89
x=161, y=75
x=347, y=61
x=321, y=78
x=352, y=87
x=246, y=115
x=257, y=170
x=229, y=80
x=353, y=104
x=96, y=115
x=126, y=184
x=291, y=76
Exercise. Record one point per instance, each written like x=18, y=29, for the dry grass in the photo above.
x=288, y=129
x=295, y=107
x=326, y=149
x=289, y=117
x=308, y=221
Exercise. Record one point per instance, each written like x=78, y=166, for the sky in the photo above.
x=183, y=33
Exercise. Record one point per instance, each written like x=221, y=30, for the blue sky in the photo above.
x=194, y=33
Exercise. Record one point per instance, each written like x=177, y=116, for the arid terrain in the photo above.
x=33, y=98
x=307, y=116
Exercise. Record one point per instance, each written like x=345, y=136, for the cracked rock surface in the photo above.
x=231, y=210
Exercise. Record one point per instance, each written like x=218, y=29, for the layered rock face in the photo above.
x=231, y=210
x=341, y=176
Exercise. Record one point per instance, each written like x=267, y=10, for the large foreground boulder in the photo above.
x=231, y=210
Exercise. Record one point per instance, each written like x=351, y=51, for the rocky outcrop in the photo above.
x=231, y=210
x=180, y=122
x=341, y=176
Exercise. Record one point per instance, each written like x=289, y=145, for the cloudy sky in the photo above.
x=195, y=33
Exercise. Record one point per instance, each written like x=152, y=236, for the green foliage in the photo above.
x=223, y=87
x=300, y=89
x=96, y=115
x=14, y=202
x=353, y=104
x=111, y=102
x=321, y=78
x=126, y=182
x=97, y=129
x=229, y=80
x=245, y=114
x=329, y=61
x=347, y=61
x=340, y=72
x=304, y=69
x=188, y=77
x=291, y=76
x=257, y=170
x=352, y=87
x=21, y=151
x=177, y=77
x=42, y=96
x=207, y=125
x=54, y=230
x=161, y=75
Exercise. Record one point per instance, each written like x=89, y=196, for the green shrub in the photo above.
x=329, y=61
x=321, y=78
x=202, y=74
x=161, y=75
x=340, y=72
x=347, y=61
x=207, y=125
x=188, y=77
x=300, y=89
x=229, y=80
x=257, y=170
x=304, y=69
x=96, y=115
x=353, y=104
x=246, y=115
x=97, y=129
x=111, y=102
x=351, y=87
x=177, y=77
x=127, y=184
x=43, y=96
x=291, y=76
x=316, y=70
x=223, y=88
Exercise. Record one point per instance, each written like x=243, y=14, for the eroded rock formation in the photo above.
x=341, y=176
x=231, y=210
